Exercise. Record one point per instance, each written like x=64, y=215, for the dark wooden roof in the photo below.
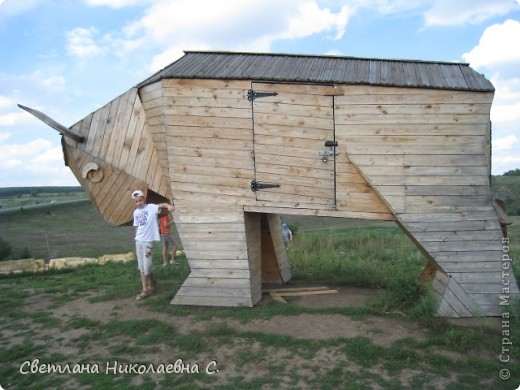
x=323, y=69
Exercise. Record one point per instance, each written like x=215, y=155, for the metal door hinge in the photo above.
x=252, y=94
x=330, y=144
x=255, y=186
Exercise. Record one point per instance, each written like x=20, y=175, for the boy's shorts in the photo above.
x=167, y=240
x=144, y=253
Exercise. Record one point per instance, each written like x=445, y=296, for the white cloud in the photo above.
x=10, y=8
x=505, y=162
x=505, y=143
x=37, y=162
x=450, y=12
x=115, y=3
x=499, y=45
x=230, y=25
x=311, y=19
x=506, y=113
x=8, y=151
x=498, y=53
x=5, y=102
x=81, y=43
x=13, y=163
x=12, y=118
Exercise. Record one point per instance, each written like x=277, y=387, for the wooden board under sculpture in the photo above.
x=237, y=139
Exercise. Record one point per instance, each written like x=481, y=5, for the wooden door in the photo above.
x=293, y=167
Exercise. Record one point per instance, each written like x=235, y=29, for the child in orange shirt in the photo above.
x=167, y=238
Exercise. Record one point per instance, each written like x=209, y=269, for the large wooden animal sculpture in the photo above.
x=237, y=139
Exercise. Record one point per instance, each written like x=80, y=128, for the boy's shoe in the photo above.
x=143, y=295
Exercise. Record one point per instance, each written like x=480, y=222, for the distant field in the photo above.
x=30, y=196
x=78, y=229
x=64, y=231
x=507, y=188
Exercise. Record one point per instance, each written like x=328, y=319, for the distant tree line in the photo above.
x=15, y=191
x=513, y=172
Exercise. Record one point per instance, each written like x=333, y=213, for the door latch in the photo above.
x=325, y=154
x=255, y=185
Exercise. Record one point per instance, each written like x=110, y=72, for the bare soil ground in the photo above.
x=382, y=331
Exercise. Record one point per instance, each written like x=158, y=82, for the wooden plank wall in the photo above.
x=290, y=129
x=425, y=152
x=225, y=270
x=210, y=162
x=209, y=140
x=117, y=140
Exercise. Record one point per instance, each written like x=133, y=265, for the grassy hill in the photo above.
x=507, y=188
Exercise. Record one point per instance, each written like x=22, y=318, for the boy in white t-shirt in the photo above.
x=146, y=232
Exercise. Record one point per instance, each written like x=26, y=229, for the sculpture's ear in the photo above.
x=55, y=125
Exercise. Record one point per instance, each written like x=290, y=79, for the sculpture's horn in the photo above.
x=52, y=123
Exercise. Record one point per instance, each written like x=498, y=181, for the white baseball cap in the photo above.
x=137, y=194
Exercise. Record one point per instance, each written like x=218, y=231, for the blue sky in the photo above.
x=69, y=57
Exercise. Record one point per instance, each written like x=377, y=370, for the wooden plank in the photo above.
x=201, y=170
x=122, y=127
x=122, y=213
x=208, y=152
x=451, y=201
x=312, y=122
x=320, y=109
x=284, y=130
x=188, y=91
x=481, y=180
x=314, y=211
x=407, y=129
x=466, y=257
x=91, y=135
x=350, y=94
x=203, y=121
x=130, y=131
x=306, y=293
x=194, y=101
x=151, y=91
x=448, y=190
x=460, y=246
x=207, y=194
x=216, y=263
x=414, y=140
x=404, y=149
x=135, y=157
x=277, y=297
x=242, y=182
x=459, y=216
x=208, y=291
x=303, y=89
x=204, y=133
x=216, y=282
x=477, y=277
x=208, y=111
x=408, y=108
x=209, y=143
x=411, y=118
x=100, y=131
x=109, y=130
x=294, y=289
x=209, y=300
x=460, y=235
x=275, y=232
x=206, y=83
x=219, y=273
